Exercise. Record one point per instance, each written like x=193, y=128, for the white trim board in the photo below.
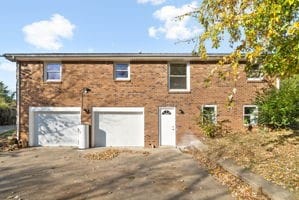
x=117, y=109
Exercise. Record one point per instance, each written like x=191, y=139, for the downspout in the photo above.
x=18, y=98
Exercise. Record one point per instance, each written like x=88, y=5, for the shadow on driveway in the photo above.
x=63, y=173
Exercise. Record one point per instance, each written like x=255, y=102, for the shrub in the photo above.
x=279, y=108
x=211, y=128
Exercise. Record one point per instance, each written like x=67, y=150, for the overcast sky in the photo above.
x=94, y=26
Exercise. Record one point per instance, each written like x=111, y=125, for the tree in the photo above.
x=261, y=31
x=280, y=108
x=6, y=97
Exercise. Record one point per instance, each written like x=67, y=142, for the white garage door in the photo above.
x=118, y=127
x=55, y=126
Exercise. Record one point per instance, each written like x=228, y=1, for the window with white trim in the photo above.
x=254, y=72
x=250, y=115
x=53, y=71
x=209, y=114
x=179, y=77
x=122, y=71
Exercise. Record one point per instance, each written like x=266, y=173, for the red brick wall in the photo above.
x=147, y=88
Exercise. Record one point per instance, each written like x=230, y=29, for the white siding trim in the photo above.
x=117, y=109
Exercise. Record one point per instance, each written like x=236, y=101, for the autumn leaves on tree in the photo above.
x=261, y=31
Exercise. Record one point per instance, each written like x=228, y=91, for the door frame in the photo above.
x=160, y=125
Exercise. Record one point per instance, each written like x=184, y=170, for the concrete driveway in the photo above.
x=64, y=173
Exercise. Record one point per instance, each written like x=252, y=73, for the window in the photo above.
x=179, y=77
x=209, y=114
x=250, y=115
x=166, y=112
x=53, y=71
x=254, y=72
x=121, y=71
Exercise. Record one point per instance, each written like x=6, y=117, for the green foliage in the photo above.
x=262, y=31
x=210, y=127
x=6, y=97
x=280, y=108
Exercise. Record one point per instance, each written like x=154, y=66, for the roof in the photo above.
x=14, y=57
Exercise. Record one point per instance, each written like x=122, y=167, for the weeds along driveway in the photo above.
x=65, y=173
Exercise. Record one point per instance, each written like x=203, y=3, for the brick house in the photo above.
x=127, y=99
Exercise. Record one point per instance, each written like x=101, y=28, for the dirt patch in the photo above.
x=273, y=155
x=109, y=154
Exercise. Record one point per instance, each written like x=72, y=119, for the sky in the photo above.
x=95, y=26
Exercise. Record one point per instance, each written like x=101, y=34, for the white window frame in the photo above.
x=250, y=106
x=210, y=106
x=46, y=72
x=187, y=77
x=129, y=71
x=258, y=79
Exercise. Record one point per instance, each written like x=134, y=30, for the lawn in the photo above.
x=274, y=155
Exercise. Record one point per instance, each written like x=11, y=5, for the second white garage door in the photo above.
x=118, y=126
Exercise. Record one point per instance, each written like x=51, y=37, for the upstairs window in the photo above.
x=250, y=115
x=254, y=72
x=53, y=71
x=121, y=71
x=179, y=77
x=209, y=113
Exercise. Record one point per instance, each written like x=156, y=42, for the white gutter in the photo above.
x=111, y=57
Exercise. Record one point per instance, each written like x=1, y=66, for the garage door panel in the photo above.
x=66, y=137
x=57, y=128
x=122, y=129
x=119, y=129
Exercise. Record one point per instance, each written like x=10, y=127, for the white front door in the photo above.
x=167, y=126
